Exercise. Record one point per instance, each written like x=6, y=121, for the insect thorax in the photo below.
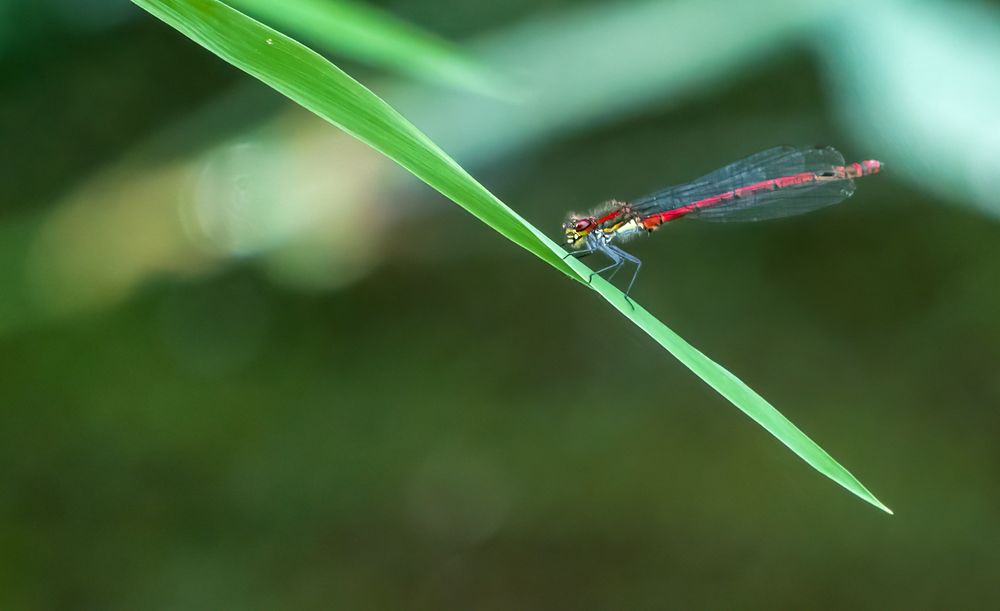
x=617, y=222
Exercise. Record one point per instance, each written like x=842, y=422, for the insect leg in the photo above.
x=632, y=259
x=579, y=253
x=615, y=258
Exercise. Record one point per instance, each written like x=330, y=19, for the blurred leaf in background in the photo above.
x=925, y=92
x=359, y=30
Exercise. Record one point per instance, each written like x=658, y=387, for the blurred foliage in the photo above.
x=925, y=92
x=424, y=436
x=358, y=30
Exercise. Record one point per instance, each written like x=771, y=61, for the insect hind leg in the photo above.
x=616, y=262
x=623, y=257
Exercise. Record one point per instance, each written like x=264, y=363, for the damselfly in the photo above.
x=778, y=182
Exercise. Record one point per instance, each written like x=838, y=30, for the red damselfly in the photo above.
x=778, y=182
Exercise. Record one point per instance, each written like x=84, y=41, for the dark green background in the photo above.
x=464, y=428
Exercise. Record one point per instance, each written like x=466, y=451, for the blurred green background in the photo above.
x=250, y=364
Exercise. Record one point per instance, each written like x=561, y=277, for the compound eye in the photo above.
x=582, y=225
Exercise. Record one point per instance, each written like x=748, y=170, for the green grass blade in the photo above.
x=732, y=388
x=369, y=34
x=318, y=85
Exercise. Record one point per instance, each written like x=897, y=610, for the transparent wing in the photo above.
x=767, y=165
x=788, y=201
